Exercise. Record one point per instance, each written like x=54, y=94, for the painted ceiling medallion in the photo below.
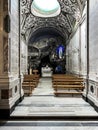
x=45, y=8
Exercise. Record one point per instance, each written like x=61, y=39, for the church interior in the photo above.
x=48, y=59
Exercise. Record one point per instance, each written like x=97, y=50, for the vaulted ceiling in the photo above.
x=71, y=12
x=42, y=34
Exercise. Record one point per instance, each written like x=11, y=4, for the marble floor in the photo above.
x=49, y=125
x=44, y=87
x=44, y=103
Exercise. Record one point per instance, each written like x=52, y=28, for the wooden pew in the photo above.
x=29, y=83
x=57, y=76
x=67, y=84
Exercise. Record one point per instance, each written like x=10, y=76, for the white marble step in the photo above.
x=49, y=125
x=44, y=103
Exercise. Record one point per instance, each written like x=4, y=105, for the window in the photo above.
x=45, y=8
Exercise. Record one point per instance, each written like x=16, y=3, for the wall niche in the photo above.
x=6, y=25
x=15, y=89
x=92, y=88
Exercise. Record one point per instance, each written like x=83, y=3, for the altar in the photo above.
x=46, y=72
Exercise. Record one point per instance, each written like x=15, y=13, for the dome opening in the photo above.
x=45, y=8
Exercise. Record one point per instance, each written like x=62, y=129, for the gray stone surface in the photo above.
x=43, y=103
x=50, y=125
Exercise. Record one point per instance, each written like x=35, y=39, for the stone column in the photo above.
x=10, y=80
x=5, y=90
x=92, y=94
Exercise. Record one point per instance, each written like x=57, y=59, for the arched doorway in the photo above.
x=43, y=49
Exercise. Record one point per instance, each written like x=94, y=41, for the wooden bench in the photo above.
x=34, y=77
x=29, y=83
x=67, y=93
x=67, y=84
x=57, y=76
x=28, y=86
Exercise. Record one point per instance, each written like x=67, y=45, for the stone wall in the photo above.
x=83, y=48
x=5, y=91
x=24, y=57
x=13, y=56
x=14, y=38
x=93, y=39
x=14, y=75
x=76, y=57
x=73, y=54
x=93, y=52
x=76, y=52
x=23, y=44
x=1, y=36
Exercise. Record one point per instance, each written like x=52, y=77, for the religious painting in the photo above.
x=60, y=51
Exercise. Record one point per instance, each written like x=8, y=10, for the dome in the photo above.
x=45, y=8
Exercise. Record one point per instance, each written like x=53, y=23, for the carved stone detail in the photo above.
x=70, y=13
x=5, y=54
x=64, y=23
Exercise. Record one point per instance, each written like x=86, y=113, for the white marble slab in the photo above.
x=50, y=125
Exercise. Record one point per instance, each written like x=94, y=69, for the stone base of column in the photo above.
x=10, y=94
